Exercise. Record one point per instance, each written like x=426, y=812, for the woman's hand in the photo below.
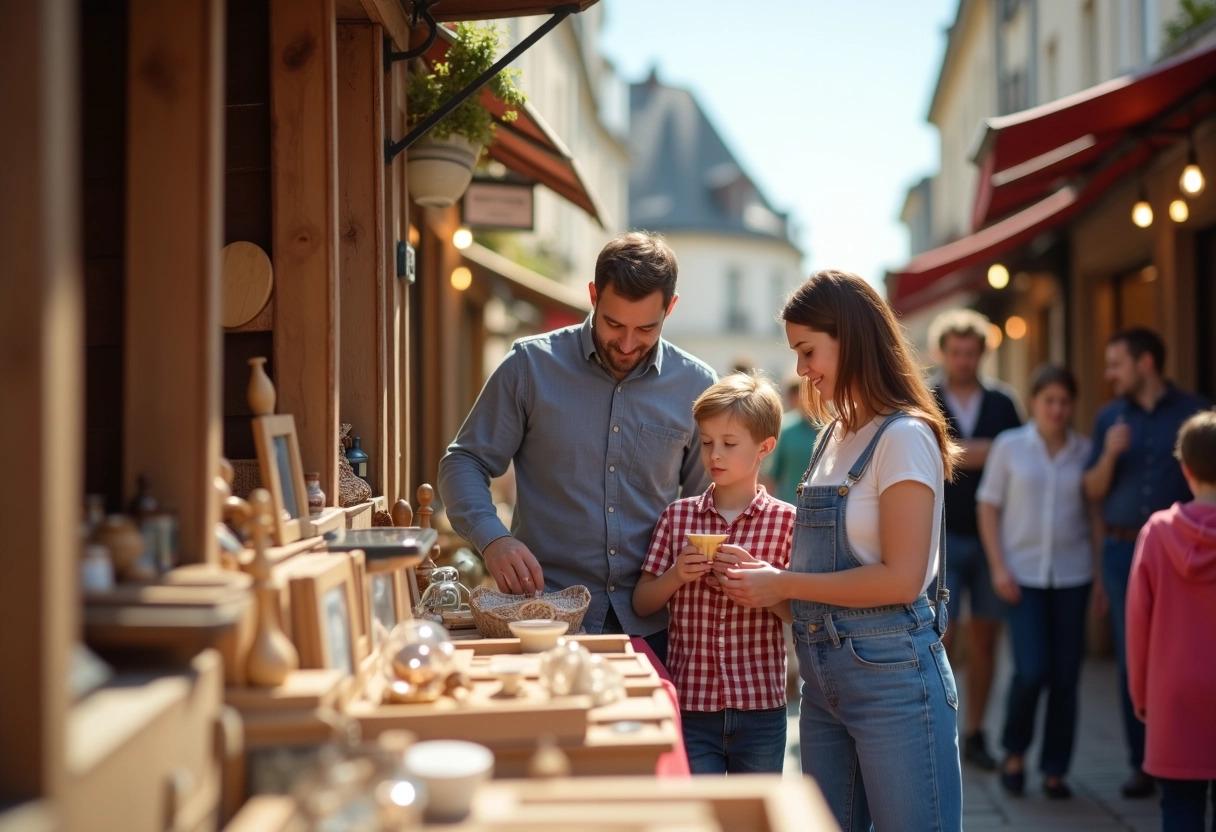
x=753, y=583
x=1006, y=587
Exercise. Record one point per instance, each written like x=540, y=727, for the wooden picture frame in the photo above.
x=385, y=604
x=282, y=472
x=325, y=611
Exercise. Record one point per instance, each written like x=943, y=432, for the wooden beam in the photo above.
x=361, y=264
x=172, y=352
x=397, y=297
x=41, y=359
x=304, y=149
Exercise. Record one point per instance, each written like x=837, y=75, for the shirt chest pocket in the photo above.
x=657, y=458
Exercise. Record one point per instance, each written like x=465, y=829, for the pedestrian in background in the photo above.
x=1132, y=472
x=1040, y=535
x=976, y=410
x=879, y=721
x=1171, y=620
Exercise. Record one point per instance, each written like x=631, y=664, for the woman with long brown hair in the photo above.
x=879, y=728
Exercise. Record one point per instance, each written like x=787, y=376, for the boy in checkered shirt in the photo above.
x=727, y=661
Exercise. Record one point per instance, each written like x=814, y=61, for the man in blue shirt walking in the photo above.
x=1132, y=471
x=597, y=419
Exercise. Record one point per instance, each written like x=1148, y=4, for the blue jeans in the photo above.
x=879, y=723
x=735, y=742
x=967, y=567
x=1047, y=629
x=1116, y=567
x=1183, y=804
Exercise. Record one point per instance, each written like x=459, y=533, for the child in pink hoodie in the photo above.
x=1171, y=635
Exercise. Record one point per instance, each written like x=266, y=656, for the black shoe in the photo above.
x=1057, y=791
x=1013, y=782
x=975, y=751
x=1138, y=785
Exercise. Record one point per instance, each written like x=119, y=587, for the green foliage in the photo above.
x=1193, y=15
x=472, y=53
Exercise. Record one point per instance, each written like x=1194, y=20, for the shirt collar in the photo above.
x=759, y=503
x=587, y=338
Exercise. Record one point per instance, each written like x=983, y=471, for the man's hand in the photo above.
x=515, y=569
x=1118, y=439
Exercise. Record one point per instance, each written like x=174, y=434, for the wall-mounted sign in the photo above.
x=492, y=204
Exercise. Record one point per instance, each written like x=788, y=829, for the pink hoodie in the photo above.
x=1171, y=641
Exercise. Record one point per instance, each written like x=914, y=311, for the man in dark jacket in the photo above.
x=976, y=411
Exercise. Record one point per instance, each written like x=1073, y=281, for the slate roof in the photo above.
x=684, y=178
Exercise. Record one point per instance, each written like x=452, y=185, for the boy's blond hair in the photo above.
x=748, y=397
x=961, y=322
x=1196, y=446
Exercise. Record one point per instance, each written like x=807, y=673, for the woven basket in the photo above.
x=493, y=611
x=246, y=476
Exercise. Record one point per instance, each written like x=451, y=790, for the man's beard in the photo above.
x=611, y=356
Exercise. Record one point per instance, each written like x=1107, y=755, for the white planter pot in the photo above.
x=439, y=171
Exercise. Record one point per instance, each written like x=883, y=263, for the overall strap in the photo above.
x=863, y=461
x=942, y=595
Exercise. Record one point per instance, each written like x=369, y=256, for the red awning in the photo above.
x=960, y=265
x=1026, y=155
x=528, y=146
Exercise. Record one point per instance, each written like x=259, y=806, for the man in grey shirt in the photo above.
x=598, y=421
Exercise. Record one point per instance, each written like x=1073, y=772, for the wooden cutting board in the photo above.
x=246, y=282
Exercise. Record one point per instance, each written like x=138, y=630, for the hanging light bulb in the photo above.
x=1179, y=212
x=462, y=278
x=1015, y=327
x=462, y=238
x=1191, y=181
x=1142, y=212
x=998, y=276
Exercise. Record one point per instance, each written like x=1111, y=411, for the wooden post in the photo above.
x=304, y=150
x=361, y=263
x=172, y=352
x=41, y=361
x=397, y=294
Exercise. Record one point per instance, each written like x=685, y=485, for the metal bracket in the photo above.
x=391, y=148
x=421, y=8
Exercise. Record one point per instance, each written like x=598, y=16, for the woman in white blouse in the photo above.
x=1039, y=534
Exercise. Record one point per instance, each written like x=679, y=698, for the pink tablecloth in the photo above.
x=675, y=762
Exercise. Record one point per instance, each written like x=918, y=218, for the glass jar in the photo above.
x=316, y=497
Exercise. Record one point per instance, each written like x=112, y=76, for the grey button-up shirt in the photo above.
x=596, y=462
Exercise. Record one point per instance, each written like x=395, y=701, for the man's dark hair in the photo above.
x=636, y=264
x=1139, y=341
x=1196, y=446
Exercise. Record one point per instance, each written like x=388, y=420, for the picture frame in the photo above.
x=326, y=606
x=385, y=603
x=282, y=471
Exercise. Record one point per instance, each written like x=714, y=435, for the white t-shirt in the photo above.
x=907, y=450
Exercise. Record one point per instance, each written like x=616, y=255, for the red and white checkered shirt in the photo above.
x=719, y=654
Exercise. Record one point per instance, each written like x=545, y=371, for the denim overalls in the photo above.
x=879, y=726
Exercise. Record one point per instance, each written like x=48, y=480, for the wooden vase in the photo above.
x=260, y=391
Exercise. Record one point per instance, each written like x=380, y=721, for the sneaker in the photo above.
x=975, y=751
x=1138, y=785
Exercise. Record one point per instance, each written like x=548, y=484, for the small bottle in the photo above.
x=316, y=497
x=357, y=457
x=96, y=569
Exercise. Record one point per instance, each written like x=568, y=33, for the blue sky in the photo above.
x=823, y=103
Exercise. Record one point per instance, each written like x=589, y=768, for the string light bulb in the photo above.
x=1179, y=212
x=998, y=276
x=1191, y=181
x=462, y=278
x=1015, y=327
x=462, y=238
x=1142, y=212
